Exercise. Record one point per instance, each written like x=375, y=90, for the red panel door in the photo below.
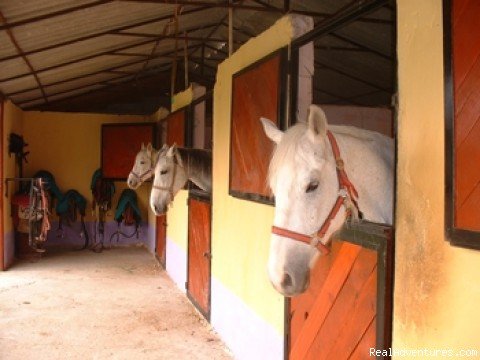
x=339, y=310
x=176, y=128
x=466, y=61
x=199, y=254
x=250, y=149
x=161, y=239
x=2, y=208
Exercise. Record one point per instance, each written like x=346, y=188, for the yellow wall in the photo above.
x=68, y=145
x=437, y=287
x=12, y=122
x=241, y=229
x=177, y=218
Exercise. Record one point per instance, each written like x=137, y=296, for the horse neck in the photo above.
x=366, y=162
x=196, y=170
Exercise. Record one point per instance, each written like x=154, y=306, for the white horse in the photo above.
x=174, y=167
x=143, y=166
x=320, y=175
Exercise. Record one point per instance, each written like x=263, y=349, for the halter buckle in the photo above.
x=339, y=164
x=343, y=193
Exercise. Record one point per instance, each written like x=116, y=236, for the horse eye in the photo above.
x=142, y=162
x=163, y=172
x=312, y=186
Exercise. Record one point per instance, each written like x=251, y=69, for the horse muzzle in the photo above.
x=290, y=285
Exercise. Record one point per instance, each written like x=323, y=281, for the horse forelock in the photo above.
x=285, y=152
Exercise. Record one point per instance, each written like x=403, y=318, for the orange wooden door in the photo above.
x=337, y=317
x=466, y=71
x=250, y=150
x=199, y=253
x=161, y=239
x=2, y=208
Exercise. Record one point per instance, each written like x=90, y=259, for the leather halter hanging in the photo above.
x=347, y=195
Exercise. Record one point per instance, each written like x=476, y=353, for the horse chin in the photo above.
x=158, y=207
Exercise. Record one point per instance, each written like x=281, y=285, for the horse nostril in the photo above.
x=286, y=281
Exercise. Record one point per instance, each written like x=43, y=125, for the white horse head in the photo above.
x=304, y=178
x=169, y=177
x=143, y=166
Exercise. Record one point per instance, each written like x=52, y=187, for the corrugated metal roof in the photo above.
x=78, y=46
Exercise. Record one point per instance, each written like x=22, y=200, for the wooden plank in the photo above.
x=344, y=304
x=466, y=71
x=120, y=145
x=468, y=215
x=466, y=102
x=465, y=31
x=250, y=149
x=198, y=253
x=300, y=306
x=466, y=165
x=362, y=351
x=176, y=128
x=358, y=322
x=161, y=239
x=2, y=191
x=325, y=300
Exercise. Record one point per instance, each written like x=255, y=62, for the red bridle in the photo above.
x=347, y=195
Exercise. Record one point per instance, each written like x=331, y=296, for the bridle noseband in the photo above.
x=145, y=175
x=347, y=196
x=170, y=187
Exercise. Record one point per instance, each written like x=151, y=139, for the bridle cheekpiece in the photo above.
x=146, y=174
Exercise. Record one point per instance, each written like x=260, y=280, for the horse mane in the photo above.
x=201, y=158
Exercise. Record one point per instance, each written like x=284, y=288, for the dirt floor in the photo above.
x=118, y=304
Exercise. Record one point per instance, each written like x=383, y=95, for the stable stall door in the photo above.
x=161, y=239
x=347, y=307
x=199, y=255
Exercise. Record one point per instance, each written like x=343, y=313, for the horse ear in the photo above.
x=317, y=122
x=271, y=130
x=164, y=149
x=149, y=147
x=143, y=146
x=171, y=151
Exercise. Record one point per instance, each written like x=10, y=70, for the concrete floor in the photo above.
x=118, y=304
